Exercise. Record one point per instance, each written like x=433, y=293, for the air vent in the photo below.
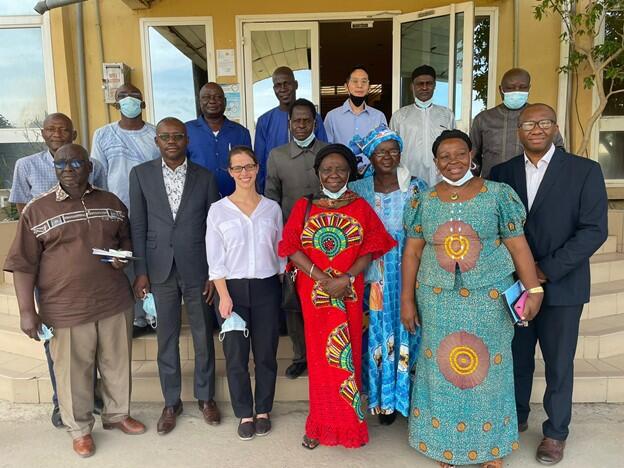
x=362, y=24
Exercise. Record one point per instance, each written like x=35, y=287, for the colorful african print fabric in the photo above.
x=334, y=239
x=463, y=409
x=389, y=350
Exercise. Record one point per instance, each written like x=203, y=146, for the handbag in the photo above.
x=290, y=298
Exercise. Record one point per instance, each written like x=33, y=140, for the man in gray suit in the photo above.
x=169, y=201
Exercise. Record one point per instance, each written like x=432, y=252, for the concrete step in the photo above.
x=606, y=299
x=26, y=380
x=144, y=348
x=610, y=246
x=606, y=267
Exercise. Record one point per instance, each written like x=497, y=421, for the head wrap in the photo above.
x=343, y=151
x=376, y=136
x=370, y=142
x=447, y=135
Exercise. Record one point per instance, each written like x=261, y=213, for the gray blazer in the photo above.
x=157, y=238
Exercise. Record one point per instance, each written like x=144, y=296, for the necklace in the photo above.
x=455, y=194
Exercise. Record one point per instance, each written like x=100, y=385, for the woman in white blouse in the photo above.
x=242, y=234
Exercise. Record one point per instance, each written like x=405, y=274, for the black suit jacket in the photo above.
x=157, y=238
x=566, y=224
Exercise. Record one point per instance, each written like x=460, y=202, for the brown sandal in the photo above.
x=498, y=463
x=309, y=443
x=445, y=465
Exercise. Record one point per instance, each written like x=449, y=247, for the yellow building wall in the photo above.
x=538, y=45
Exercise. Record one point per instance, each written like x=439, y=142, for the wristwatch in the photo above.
x=351, y=278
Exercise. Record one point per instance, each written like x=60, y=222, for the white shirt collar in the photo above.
x=545, y=159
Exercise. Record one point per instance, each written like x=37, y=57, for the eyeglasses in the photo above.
x=362, y=82
x=247, y=167
x=529, y=125
x=74, y=164
x=382, y=154
x=165, y=137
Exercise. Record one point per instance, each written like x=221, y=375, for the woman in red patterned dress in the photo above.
x=331, y=238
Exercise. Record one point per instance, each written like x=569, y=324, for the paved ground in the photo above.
x=27, y=439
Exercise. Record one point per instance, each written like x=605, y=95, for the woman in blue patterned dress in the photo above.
x=465, y=240
x=389, y=350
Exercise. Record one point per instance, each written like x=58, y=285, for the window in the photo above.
x=484, y=83
x=26, y=88
x=178, y=59
x=610, y=133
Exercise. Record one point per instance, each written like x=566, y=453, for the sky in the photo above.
x=17, y=7
x=21, y=100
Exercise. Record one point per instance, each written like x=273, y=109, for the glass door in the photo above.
x=267, y=46
x=443, y=38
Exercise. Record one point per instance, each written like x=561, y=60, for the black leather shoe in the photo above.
x=98, y=405
x=296, y=369
x=523, y=426
x=246, y=430
x=387, y=419
x=140, y=331
x=56, y=418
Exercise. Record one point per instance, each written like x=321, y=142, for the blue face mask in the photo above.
x=45, y=333
x=515, y=99
x=149, y=306
x=130, y=107
x=306, y=142
x=233, y=323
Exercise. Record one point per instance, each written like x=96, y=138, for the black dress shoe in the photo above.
x=56, y=418
x=387, y=419
x=296, y=369
x=523, y=426
x=246, y=430
x=140, y=331
x=98, y=406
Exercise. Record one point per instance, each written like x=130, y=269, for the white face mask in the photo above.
x=423, y=104
x=458, y=183
x=334, y=195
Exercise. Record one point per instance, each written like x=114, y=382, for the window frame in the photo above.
x=22, y=134
x=144, y=25
x=492, y=12
x=609, y=123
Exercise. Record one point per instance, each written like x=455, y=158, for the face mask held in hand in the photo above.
x=233, y=323
x=149, y=306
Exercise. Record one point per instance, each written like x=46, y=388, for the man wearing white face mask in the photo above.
x=290, y=176
x=419, y=124
x=120, y=146
x=494, y=132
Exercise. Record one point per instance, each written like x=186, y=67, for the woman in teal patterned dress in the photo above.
x=389, y=350
x=465, y=240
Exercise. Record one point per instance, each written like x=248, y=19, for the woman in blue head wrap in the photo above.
x=389, y=350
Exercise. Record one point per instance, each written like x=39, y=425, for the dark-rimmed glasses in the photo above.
x=247, y=167
x=544, y=124
x=165, y=137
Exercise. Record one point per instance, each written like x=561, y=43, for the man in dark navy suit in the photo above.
x=566, y=202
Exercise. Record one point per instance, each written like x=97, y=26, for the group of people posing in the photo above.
x=398, y=240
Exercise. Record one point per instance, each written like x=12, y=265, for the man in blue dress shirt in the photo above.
x=272, y=129
x=212, y=135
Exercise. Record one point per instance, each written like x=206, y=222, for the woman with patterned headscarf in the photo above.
x=389, y=350
x=331, y=238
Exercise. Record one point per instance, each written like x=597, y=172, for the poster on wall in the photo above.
x=233, y=101
x=225, y=62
